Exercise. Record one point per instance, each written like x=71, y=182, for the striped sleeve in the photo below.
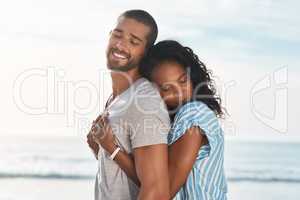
x=195, y=113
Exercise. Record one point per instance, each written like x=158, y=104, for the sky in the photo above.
x=54, y=82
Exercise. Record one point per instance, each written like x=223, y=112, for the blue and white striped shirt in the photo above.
x=206, y=180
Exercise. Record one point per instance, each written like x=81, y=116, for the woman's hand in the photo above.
x=103, y=135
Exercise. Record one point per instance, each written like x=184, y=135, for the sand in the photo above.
x=61, y=189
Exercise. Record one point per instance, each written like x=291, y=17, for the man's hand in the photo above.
x=90, y=140
x=92, y=144
x=103, y=135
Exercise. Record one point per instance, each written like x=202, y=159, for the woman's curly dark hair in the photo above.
x=203, y=85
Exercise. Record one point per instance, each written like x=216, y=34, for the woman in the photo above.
x=196, y=143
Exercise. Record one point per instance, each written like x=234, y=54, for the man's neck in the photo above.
x=121, y=81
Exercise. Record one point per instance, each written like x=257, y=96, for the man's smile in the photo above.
x=118, y=55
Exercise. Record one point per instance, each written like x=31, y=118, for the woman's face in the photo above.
x=173, y=82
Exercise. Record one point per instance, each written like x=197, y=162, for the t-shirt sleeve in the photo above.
x=196, y=114
x=149, y=120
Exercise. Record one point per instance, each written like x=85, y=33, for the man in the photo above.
x=137, y=114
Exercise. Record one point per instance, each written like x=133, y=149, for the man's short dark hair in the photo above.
x=146, y=19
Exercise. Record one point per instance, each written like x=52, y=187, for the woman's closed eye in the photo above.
x=183, y=79
x=165, y=88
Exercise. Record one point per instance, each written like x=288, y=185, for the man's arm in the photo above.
x=151, y=163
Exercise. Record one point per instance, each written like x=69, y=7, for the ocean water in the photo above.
x=68, y=158
x=258, y=161
x=46, y=157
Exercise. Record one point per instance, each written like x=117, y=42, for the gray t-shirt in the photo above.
x=138, y=118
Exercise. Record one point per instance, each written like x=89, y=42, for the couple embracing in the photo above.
x=159, y=136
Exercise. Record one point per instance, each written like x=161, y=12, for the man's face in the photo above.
x=126, y=45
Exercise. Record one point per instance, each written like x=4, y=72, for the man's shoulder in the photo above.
x=146, y=94
x=145, y=87
x=145, y=99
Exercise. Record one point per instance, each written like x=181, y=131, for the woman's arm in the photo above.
x=125, y=162
x=104, y=136
x=182, y=156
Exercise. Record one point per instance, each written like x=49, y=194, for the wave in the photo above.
x=264, y=174
x=46, y=176
x=68, y=161
x=263, y=180
x=89, y=177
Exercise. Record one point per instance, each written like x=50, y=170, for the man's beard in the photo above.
x=123, y=68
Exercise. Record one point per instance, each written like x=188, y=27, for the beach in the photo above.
x=263, y=191
x=49, y=189
x=46, y=189
x=64, y=168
